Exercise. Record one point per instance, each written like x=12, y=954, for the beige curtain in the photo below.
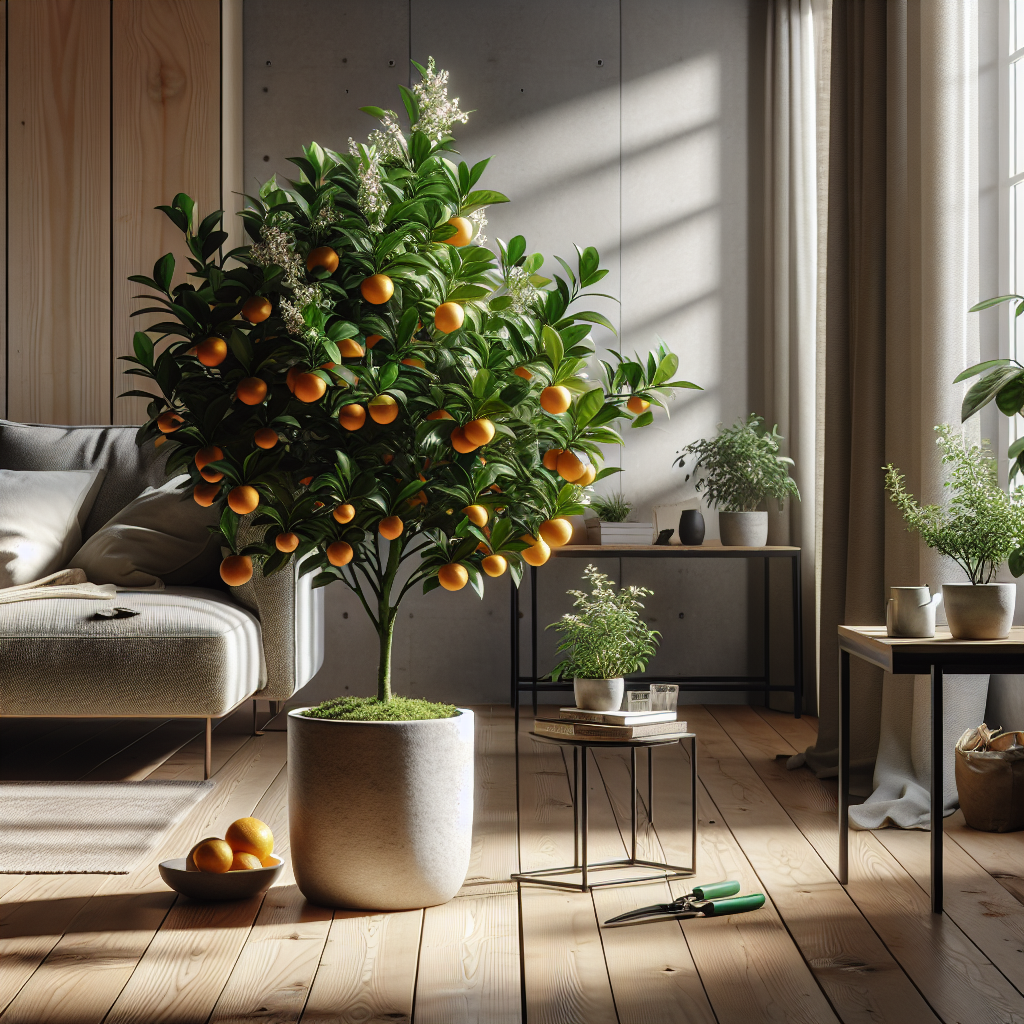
x=902, y=271
x=791, y=277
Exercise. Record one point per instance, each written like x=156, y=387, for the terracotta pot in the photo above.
x=380, y=813
x=981, y=612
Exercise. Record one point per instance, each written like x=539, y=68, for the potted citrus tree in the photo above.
x=605, y=639
x=979, y=527
x=370, y=389
x=736, y=471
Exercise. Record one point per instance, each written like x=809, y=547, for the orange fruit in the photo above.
x=245, y=862
x=251, y=390
x=412, y=361
x=383, y=409
x=323, y=257
x=550, y=459
x=157, y=442
x=449, y=317
x=190, y=864
x=339, y=553
x=286, y=542
x=637, y=405
x=569, y=467
x=256, y=309
x=211, y=476
x=555, y=399
x=211, y=453
x=477, y=514
x=344, y=513
x=350, y=349
x=306, y=481
x=168, y=422
x=205, y=494
x=352, y=417
x=439, y=414
x=236, y=570
x=372, y=339
x=290, y=376
x=538, y=552
x=213, y=856
x=309, y=387
x=461, y=443
x=452, y=576
x=212, y=351
x=391, y=527
x=377, y=289
x=265, y=437
x=556, y=532
x=387, y=458
x=522, y=371
x=479, y=432
x=463, y=232
x=243, y=499
x=494, y=566
x=589, y=476
x=250, y=835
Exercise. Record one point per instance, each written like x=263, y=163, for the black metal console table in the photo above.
x=711, y=549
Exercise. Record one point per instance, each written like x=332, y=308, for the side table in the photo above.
x=934, y=656
x=580, y=802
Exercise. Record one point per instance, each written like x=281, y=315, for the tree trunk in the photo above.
x=386, y=633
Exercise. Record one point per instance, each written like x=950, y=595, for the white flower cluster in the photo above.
x=388, y=140
x=326, y=216
x=372, y=199
x=479, y=221
x=521, y=290
x=277, y=248
x=437, y=112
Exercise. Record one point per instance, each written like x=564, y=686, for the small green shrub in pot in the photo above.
x=735, y=472
x=605, y=639
x=979, y=528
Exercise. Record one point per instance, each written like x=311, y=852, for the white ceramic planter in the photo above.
x=743, y=529
x=599, y=694
x=380, y=813
x=982, y=612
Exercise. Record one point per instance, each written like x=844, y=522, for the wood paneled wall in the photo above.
x=111, y=107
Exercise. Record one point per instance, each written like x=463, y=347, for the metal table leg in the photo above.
x=767, y=630
x=798, y=639
x=693, y=803
x=937, y=824
x=632, y=802
x=533, y=635
x=583, y=799
x=650, y=785
x=514, y=646
x=576, y=807
x=844, y=766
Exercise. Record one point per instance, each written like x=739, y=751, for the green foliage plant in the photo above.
x=741, y=466
x=605, y=637
x=980, y=526
x=326, y=340
x=370, y=709
x=612, y=508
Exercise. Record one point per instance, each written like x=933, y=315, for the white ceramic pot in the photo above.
x=743, y=529
x=982, y=612
x=599, y=694
x=380, y=813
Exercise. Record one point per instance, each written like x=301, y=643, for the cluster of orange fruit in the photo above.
x=247, y=844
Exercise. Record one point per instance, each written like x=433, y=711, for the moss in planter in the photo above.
x=369, y=709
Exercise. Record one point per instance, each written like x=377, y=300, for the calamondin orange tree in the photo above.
x=370, y=383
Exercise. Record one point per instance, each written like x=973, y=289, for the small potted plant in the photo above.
x=979, y=528
x=613, y=512
x=736, y=471
x=604, y=639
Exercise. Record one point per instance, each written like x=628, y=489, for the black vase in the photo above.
x=691, y=527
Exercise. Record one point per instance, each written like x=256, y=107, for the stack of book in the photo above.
x=610, y=725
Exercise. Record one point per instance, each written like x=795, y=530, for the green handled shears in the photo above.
x=705, y=901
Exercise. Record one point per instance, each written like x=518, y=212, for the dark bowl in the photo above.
x=231, y=885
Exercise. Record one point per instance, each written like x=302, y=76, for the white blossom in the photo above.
x=437, y=112
x=479, y=221
x=277, y=248
x=388, y=140
x=521, y=290
x=372, y=199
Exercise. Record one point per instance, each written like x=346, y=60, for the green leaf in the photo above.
x=644, y=419
x=595, y=318
x=485, y=197
x=143, y=348
x=986, y=389
x=589, y=406
x=607, y=471
x=1016, y=562
x=377, y=112
x=552, y=345
x=973, y=371
x=163, y=272
x=986, y=303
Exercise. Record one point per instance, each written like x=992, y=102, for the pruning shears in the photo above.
x=710, y=900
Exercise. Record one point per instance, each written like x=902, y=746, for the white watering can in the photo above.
x=911, y=612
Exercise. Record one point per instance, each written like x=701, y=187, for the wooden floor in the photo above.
x=87, y=948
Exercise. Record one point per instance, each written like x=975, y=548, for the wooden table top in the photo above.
x=912, y=654
x=710, y=549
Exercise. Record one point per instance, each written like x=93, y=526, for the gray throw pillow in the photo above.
x=159, y=538
x=41, y=517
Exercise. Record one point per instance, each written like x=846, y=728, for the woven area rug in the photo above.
x=88, y=828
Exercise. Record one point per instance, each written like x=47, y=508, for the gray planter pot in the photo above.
x=380, y=813
x=743, y=529
x=983, y=612
x=599, y=694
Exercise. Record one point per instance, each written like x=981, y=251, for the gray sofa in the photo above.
x=191, y=652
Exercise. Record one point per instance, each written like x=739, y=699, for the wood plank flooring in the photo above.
x=124, y=950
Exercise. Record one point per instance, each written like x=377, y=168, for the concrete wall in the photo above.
x=621, y=125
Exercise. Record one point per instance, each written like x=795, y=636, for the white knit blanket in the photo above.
x=66, y=583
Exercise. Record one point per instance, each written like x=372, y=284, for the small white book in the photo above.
x=618, y=717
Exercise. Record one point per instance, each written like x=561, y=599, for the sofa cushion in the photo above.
x=41, y=517
x=189, y=652
x=129, y=469
x=161, y=537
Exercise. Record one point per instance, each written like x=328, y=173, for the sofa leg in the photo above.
x=208, y=753
x=275, y=707
x=256, y=730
